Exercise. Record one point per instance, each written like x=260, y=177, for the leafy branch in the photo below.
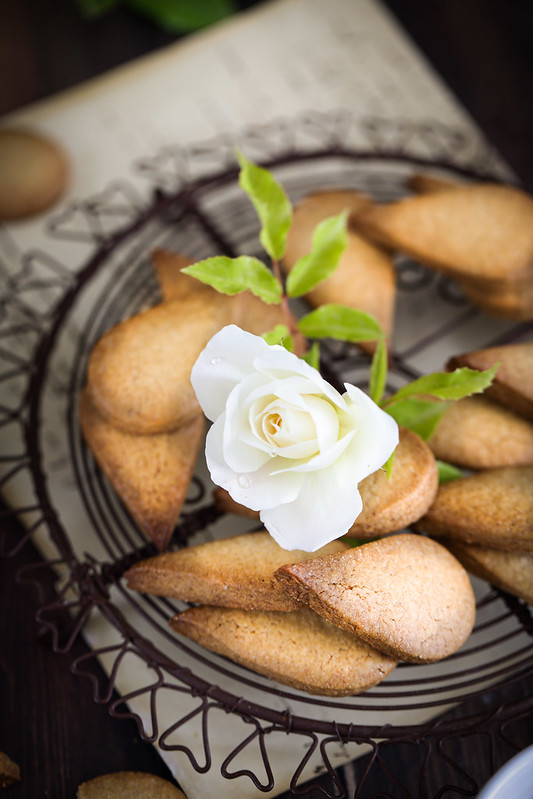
x=418, y=405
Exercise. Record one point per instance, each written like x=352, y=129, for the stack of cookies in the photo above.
x=138, y=411
x=486, y=518
x=334, y=622
x=481, y=235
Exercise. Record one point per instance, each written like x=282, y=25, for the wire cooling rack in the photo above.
x=52, y=316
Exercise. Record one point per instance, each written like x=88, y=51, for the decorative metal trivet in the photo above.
x=52, y=315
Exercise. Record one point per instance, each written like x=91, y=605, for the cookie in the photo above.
x=513, y=383
x=173, y=283
x=392, y=503
x=405, y=595
x=235, y=572
x=139, y=371
x=493, y=508
x=151, y=474
x=478, y=433
x=426, y=183
x=128, y=785
x=34, y=173
x=510, y=571
x=365, y=277
x=481, y=231
x=510, y=301
x=298, y=648
x=9, y=771
x=389, y=503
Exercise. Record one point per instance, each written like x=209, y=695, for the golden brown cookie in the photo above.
x=151, y=474
x=365, y=277
x=481, y=231
x=235, y=572
x=9, y=771
x=139, y=372
x=493, y=508
x=510, y=571
x=392, y=503
x=513, y=383
x=128, y=785
x=509, y=301
x=429, y=183
x=406, y=595
x=174, y=284
x=389, y=504
x=34, y=173
x=478, y=433
x=298, y=648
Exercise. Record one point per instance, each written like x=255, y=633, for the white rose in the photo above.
x=284, y=442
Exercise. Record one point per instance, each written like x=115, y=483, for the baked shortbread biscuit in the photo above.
x=151, y=474
x=478, y=433
x=513, y=383
x=389, y=503
x=510, y=571
x=365, y=277
x=511, y=301
x=430, y=183
x=482, y=231
x=406, y=595
x=392, y=503
x=34, y=173
x=173, y=283
x=298, y=648
x=235, y=572
x=139, y=371
x=128, y=785
x=492, y=508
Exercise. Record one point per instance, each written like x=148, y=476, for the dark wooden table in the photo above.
x=49, y=722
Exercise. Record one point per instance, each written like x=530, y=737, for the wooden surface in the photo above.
x=49, y=722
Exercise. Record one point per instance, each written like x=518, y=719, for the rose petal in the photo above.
x=321, y=461
x=376, y=437
x=241, y=452
x=226, y=360
x=256, y=490
x=280, y=363
x=325, y=419
x=322, y=511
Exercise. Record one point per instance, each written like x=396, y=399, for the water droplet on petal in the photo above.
x=216, y=361
x=244, y=481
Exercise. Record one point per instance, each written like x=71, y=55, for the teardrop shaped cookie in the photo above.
x=405, y=594
x=298, y=648
x=151, y=474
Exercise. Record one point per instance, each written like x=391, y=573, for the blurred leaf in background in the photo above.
x=174, y=16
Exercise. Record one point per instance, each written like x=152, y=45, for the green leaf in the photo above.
x=447, y=385
x=183, y=15
x=328, y=244
x=271, y=203
x=448, y=472
x=339, y=322
x=312, y=356
x=356, y=542
x=233, y=275
x=387, y=466
x=419, y=415
x=378, y=371
x=280, y=335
